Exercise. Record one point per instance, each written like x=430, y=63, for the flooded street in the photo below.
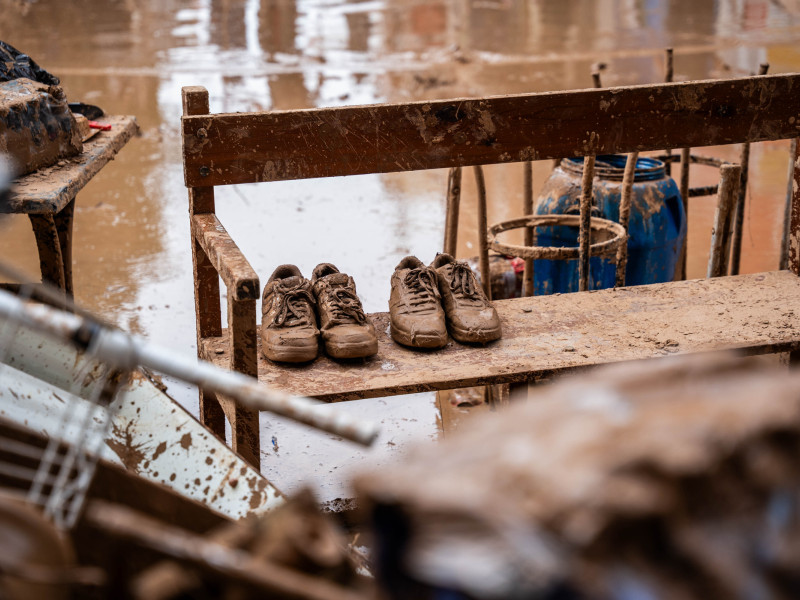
x=132, y=256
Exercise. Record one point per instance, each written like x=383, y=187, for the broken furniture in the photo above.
x=541, y=335
x=47, y=196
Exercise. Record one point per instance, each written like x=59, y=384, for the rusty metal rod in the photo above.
x=787, y=211
x=741, y=199
x=738, y=211
x=527, y=209
x=483, y=232
x=695, y=159
x=706, y=190
x=794, y=222
x=794, y=229
x=584, y=235
x=452, y=210
x=668, y=76
x=730, y=178
x=624, y=216
x=686, y=157
x=121, y=350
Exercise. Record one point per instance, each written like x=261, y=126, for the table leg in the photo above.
x=48, y=243
x=63, y=222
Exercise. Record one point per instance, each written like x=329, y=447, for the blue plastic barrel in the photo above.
x=656, y=230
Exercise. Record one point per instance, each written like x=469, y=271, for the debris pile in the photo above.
x=675, y=479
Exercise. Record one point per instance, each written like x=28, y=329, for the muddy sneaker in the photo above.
x=346, y=331
x=470, y=316
x=415, y=308
x=288, y=324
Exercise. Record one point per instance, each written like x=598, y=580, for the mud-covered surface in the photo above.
x=36, y=126
x=553, y=333
x=48, y=190
x=599, y=486
x=132, y=253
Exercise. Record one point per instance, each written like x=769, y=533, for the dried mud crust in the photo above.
x=548, y=334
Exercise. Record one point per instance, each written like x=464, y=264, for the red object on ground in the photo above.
x=100, y=126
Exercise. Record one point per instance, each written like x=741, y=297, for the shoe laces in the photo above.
x=463, y=284
x=422, y=288
x=294, y=304
x=345, y=306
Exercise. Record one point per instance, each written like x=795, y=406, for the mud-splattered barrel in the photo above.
x=657, y=223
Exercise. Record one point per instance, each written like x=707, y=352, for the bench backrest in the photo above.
x=221, y=149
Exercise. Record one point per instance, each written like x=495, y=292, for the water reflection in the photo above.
x=132, y=238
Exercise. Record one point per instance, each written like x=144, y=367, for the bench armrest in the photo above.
x=237, y=274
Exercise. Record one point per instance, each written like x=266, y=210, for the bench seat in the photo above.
x=547, y=334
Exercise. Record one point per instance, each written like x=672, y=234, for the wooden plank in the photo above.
x=548, y=334
x=242, y=351
x=48, y=190
x=206, y=279
x=240, y=148
x=239, y=277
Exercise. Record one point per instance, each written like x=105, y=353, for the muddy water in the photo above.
x=132, y=261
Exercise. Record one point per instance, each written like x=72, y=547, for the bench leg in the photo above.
x=54, y=242
x=211, y=414
x=245, y=437
x=51, y=260
x=63, y=222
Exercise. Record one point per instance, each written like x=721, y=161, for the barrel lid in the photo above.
x=612, y=166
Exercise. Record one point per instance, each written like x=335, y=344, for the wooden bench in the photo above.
x=47, y=196
x=541, y=335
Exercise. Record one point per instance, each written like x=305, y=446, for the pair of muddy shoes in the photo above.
x=289, y=310
x=427, y=301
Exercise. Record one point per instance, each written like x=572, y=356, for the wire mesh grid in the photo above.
x=56, y=473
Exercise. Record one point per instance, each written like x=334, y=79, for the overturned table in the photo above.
x=47, y=196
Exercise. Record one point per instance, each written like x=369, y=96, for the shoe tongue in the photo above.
x=337, y=278
x=292, y=281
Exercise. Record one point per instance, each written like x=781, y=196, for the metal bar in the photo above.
x=738, y=211
x=452, y=211
x=527, y=209
x=686, y=156
x=126, y=352
x=794, y=229
x=787, y=211
x=668, y=76
x=706, y=190
x=624, y=216
x=584, y=235
x=730, y=178
x=794, y=224
x=483, y=245
x=596, y=79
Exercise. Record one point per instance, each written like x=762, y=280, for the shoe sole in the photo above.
x=354, y=350
x=481, y=336
x=292, y=354
x=418, y=340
